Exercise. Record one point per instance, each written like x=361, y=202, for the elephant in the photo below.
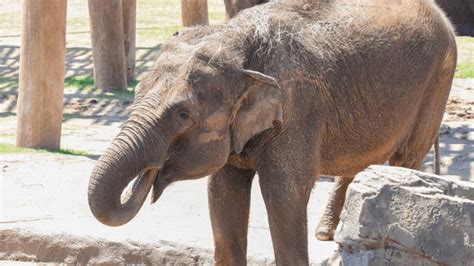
x=232, y=7
x=461, y=14
x=290, y=91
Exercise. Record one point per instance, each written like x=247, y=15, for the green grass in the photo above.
x=7, y=114
x=465, y=68
x=72, y=152
x=82, y=84
x=7, y=135
x=159, y=34
x=8, y=84
x=465, y=71
x=10, y=148
x=8, y=80
x=85, y=84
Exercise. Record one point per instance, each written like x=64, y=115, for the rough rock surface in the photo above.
x=405, y=217
x=20, y=245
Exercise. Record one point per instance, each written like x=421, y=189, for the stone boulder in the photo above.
x=399, y=216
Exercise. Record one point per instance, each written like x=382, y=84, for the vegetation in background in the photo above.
x=85, y=85
x=465, y=68
x=158, y=20
x=8, y=84
x=10, y=148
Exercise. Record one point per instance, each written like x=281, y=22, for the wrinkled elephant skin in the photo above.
x=290, y=91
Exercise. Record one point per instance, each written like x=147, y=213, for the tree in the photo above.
x=129, y=8
x=232, y=7
x=41, y=88
x=194, y=12
x=108, y=44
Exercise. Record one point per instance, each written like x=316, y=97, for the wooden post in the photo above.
x=129, y=24
x=194, y=12
x=106, y=18
x=41, y=88
x=232, y=7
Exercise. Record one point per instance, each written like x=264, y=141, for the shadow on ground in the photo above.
x=458, y=145
x=78, y=60
x=103, y=109
x=456, y=151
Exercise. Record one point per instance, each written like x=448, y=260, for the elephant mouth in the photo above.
x=159, y=177
x=160, y=183
x=143, y=180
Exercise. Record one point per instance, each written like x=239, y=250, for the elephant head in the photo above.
x=188, y=116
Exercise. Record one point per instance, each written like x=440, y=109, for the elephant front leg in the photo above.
x=286, y=199
x=229, y=202
x=328, y=223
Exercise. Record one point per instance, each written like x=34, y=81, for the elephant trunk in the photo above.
x=130, y=155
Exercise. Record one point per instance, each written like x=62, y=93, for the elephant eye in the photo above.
x=185, y=118
x=184, y=115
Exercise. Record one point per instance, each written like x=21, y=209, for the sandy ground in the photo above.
x=48, y=197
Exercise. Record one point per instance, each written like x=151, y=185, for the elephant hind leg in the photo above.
x=414, y=149
x=330, y=219
x=425, y=127
x=407, y=160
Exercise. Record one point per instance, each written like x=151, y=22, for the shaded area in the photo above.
x=456, y=151
x=81, y=99
x=458, y=145
x=78, y=61
x=9, y=62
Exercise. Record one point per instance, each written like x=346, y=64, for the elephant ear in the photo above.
x=257, y=109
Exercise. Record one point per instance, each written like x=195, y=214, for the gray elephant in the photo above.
x=289, y=91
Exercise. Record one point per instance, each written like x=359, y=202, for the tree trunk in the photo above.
x=232, y=7
x=194, y=12
x=41, y=88
x=106, y=18
x=129, y=24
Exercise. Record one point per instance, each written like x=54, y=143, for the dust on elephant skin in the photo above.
x=288, y=90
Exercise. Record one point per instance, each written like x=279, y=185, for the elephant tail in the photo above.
x=437, y=157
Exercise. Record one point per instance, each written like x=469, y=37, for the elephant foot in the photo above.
x=325, y=233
